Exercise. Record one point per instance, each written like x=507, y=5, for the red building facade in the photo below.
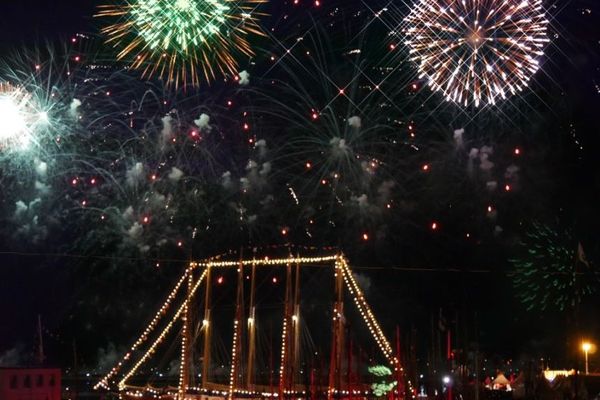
x=30, y=383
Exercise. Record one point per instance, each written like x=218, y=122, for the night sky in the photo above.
x=415, y=271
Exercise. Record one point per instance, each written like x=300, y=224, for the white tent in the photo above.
x=500, y=383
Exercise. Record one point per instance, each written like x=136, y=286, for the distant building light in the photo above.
x=550, y=375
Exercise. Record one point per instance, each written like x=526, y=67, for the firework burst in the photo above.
x=20, y=116
x=36, y=103
x=182, y=41
x=477, y=51
x=551, y=271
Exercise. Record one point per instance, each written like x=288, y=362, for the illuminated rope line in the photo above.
x=184, y=344
x=265, y=262
x=364, y=314
x=233, y=359
x=161, y=337
x=283, y=355
x=382, y=339
x=283, y=350
x=365, y=310
x=236, y=333
x=144, y=336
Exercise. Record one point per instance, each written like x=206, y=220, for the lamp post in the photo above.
x=586, y=347
x=447, y=381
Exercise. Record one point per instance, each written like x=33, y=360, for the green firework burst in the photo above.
x=178, y=25
x=182, y=41
x=550, y=271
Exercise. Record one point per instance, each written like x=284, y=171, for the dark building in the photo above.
x=30, y=383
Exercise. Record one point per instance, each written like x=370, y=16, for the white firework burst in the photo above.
x=477, y=51
x=19, y=116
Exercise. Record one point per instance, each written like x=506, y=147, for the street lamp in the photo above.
x=586, y=347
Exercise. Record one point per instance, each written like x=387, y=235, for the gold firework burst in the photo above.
x=477, y=51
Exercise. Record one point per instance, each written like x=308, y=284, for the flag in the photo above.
x=581, y=255
x=441, y=322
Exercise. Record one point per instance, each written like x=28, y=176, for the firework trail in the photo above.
x=338, y=132
x=129, y=164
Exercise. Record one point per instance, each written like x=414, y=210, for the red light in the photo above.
x=220, y=280
x=341, y=91
x=274, y=280
x=507, y=188
x=284, y=231
x=74, y=181
x=315, y=115
x=517, y=151
x=246, y=126
x=365, y=236
x=308, y=165
x=425, y=167
x=179, y=244
x=434, y=226
x=317, y=3
x=490, y=209
x=392, y=46
x=146, y=220
x=229, y=103
x=93, y=181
